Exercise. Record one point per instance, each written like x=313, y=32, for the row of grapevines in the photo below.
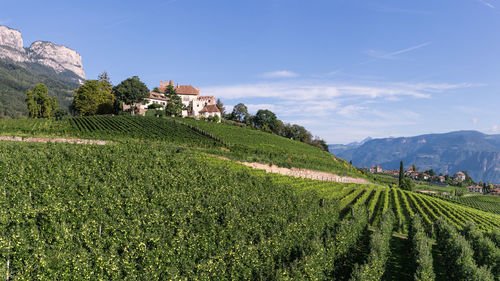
x=420, y=251
x=457, y=253
x=374, y=267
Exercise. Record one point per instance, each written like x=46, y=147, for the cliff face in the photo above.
x=11, y=45
x=59, y=58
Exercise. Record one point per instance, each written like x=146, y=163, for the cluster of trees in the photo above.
x=265, y=120
x=40, y=104
x=96, y=97
x=405, y=182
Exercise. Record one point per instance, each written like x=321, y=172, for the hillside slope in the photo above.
x=155, y=203
x=16, y=78
x=471, y=151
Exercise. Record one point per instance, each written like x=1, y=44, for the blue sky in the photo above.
x=344, y=69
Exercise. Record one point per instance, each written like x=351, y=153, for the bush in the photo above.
x=60, y=113
x=155, y=106
x=407, y=184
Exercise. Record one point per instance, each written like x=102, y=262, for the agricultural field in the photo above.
x=174, y=211
x=255, y=146
x=487, y=203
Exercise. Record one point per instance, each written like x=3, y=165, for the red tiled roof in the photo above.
x=157, y=96
x=210, y=108
x=206, y=97
x=187, y=90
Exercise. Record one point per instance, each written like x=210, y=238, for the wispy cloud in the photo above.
x=309, y=90
x=392, y=55
x=487, y=4
x=279, y=74
x=341, y=107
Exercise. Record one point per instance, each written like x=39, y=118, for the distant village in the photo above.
x=430, y=176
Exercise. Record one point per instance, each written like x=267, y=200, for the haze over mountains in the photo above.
x=471, y=151
x=59, y=67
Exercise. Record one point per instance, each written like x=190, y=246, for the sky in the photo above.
x=344, y=69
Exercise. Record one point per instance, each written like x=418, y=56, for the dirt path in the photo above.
x=299, y=173
x=304, y=173
x=54, y=140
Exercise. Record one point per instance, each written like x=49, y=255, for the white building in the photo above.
x=195, y=104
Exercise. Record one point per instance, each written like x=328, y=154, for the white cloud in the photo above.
x=475, y=120
x=394, y=54
x=487, y=4
x=334, y=110
x=307, y=91
x=495, y=129
x=280, y=74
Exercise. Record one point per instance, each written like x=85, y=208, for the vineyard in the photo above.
x=256, y=146
x=485, y=203
x=132, y=210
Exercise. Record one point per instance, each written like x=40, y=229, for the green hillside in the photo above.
x=16, y=78
x=158, y=204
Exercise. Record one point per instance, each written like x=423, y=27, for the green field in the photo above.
x=156, y=204
x=488, y=203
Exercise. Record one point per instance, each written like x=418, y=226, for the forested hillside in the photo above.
x=16, y=78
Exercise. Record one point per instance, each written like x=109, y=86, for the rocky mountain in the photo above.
x=59, y=67
x=471, y=151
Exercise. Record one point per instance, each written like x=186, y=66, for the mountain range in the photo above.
x=57, y=66
x=448, y=153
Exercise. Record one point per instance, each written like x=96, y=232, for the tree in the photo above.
x=414, y=168
x=401, y=173
x=39, y=104
x=240, y=113
x=407, y=184
x=104, y=77
x=266, y=118
x=60, y=113
x=221, y=108
x=430, y=172
x=131, y=91
x=94, y=97
x=320, y=143
x=174, y=105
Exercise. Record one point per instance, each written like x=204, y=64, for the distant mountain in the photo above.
x=352, y=145
x=59, y=67
x=471, y=151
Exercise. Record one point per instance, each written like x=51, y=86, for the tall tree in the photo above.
x=265, y=119
x=401, y=173
x=94, y=97
x=38, y=102
x=221, y=107
x=240, y=113
x=131, y=91
x=174, y=105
